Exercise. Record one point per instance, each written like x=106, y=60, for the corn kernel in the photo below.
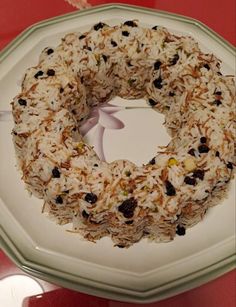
x=189, y=164
x=80, y=146
x=172, y=161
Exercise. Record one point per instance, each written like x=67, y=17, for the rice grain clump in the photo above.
x=120, y=199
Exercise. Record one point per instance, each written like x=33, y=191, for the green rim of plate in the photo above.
x=201, y=276
x=21, y=37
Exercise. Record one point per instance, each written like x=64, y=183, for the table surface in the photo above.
x=20, y=289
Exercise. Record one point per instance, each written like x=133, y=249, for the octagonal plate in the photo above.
x=147, y=271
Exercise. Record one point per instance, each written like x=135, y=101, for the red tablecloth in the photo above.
x=15, y=16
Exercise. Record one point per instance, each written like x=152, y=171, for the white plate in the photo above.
x=147, y=271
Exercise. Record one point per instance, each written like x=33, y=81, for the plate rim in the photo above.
x=49, y=21
x=205, y=274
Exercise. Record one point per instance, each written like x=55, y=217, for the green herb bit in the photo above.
x=125, y=193
x=131, y=82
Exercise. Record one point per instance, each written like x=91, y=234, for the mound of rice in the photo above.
x=121, y=200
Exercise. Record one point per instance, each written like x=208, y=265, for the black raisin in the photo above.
x=61, y=90
x=85, y=214
x=51, y=72
x=50, y=51
x=217, y=153
x=104, y=58
x=120, y=246
x=56, y=173
x=129, y=64
x=155, y=28
x=82, y=36
x=59, y=200
x=114, y=44
x=129, y=222
x=203, y=148
x=125, y=33
x=38, y=74
x=189, y=180
x=91, y=198
x=191, y=152
x=130, y=23
x=127, y=207
x=128, y=173
x=175, y=59
x=218, y=93
x=170, y=189
x=171, y=94
x=95, y=165
x=178, y=216
x=199, y=173
x=99, y=26
x=229, y=165
x=180, y=230
x=153, y=161
x=158, y=83
x=217, y=102
x=203, y=139
x=22, y=102
x=152, y=102
x=206, y=66
x=157, y=65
